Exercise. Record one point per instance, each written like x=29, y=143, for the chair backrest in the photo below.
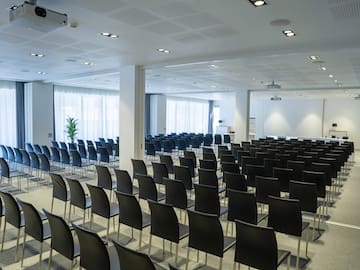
x=191, y=155
x=5, y=170
x=183, y=173
x=92, y=152
x=29, y=147
x=37, y=149
x=46, y=151
x=252, y=171
x=168, y=161
x=26, y=158
x=130, y=211
x=123, y=181
x=61, y=237
x=159, y=172
x=265, y=187
x=82, y=150
x=11, y=154
x=247, y=160
x=256, y=246
x=59, y=187
x=235, y=181
x=230, y=167
x=208, y=177
x=4, y=153
x=147, y=188
x=298, y=166
x=100, y=204
x=209, y=156
x=207, y=199
x=104, y=179
x=139, y=168
x=55, y=155
x=131, y=259
x=269, y=164
x=175, y=193
x=317, y=178
x=55, y=144
x=63, y=145
x=33, y=223
x=12, y=209
x=242, y=206
x=188, y=162
x=164, y=222
x=104, y=154
x=35, y=162
x=64, y=155
x=208, y=164
x=77, y=193
x=44, y=163
x=306, y=193
x=18, y=156
x=205, y=233
x=150, y=149
x=285, y=216
x=284, y=175
x=93, y=251
x=76, y=158
x=325, y=168
x=227, y=158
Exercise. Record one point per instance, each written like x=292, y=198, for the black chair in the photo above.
x=284, y=175
x=55, y=144
x=191, y=155
x=37, y=149
x=297, y=166
x=139, y=168
x=62, y=240
x=245, y=160
x=131, y=215
x=104, y=179
x=131, y=259
x=6, y=173
x=208, y=164
x=265, y=187
x=82, y=151
x=101, y=206
x=78, y=162
x=209, y=178
x=150, y=149
x=60, y=191
x=165, y=224
x=124, y=183
x=104, y=154
x=227, y=158
x=269, y=164
x=209, y=156
x=168, y=161
x=285, y=217
x=45, y=165
x=188, y=162
x=207, y=200
x=28, y=147
x=206, y=234
x=93, y=251
x=317, y=178
x=78, y=197
x=176, y=194
x=251, y=172
x=306, y=193
x=46, y=151
x=26, y=161
x=230, y=167
x=55, y=154
x=34, y=227
x=242, y=206
x=217, y=139
x=93, y=155
x=13, y=216
x=257, y=247
x=147, y=189
x=159, y=172
x=183, y=173
x=234, y=181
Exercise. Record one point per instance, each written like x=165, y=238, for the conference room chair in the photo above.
x=46, y=151
x=139, y=168
x=217, y=139
x=93, y=155
x=298, y=167
x=230, y=167
x=28, y=147
x=208, y=164
x=37, y=149
x=209, y=178
x=285, y=175
x=183, y=173
x=26, y=162
x=124, y=183
x=209, y=156
x=63, y=145
x=168, y=161
x=59, y=191
x=234, y=181
x=150, y=149
x=207, y=200
x=269, y=165
x=83, y=151
x=159, y=172
x=252, y=171
x=265, y=187
x=8, y=174
x=318, y=178
x=245, y=160
x=256, y=247
x=147, y=189
x=188, y=162
x=206, y=235
x=55, y=154
x=55, y=144
x=104, y=179
x=78, y=198
x=18, y=159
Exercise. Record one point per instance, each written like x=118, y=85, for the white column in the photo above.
x=157, y=114
x=242, y=106
x=132, y=109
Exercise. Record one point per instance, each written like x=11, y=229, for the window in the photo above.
x=8, y=134
x=97, y=112
x=184, y=115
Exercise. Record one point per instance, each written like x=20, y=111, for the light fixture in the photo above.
x=289, y=33
x=313, y=57
x=331, y=76
x=258, y=3
x=213, y=66
x=335, y=81
x=41, y=72
x=109, y=35
x=323, y=68
x=13, y=7
x=89, y=63
x=162, y=50
x=38, y=55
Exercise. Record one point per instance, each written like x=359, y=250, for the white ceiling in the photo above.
x=216, y=46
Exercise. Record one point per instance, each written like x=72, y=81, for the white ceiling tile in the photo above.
x=199, y=20
x=135, y=16
x=164, y=28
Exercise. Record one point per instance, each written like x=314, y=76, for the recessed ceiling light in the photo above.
x=323, y=68
x=109, y=35
x=13, y=7
x=213, y=66
x=289, y=33
x=89, y=63
x=335, y=81
x=313, y=57
x=331, y=76
x=38, y=55
x=258, y=3
x=162, y=50
x=41, y=72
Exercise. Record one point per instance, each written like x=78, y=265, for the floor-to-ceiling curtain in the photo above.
x=97, y=112
x=8, y=134
x=186, y=115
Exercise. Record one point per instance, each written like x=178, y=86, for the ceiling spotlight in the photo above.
x=258, y=3
x=213, y=66
x=89, y=63
x=38, y=55
x=335, y=81
x=13, y=7
x=109, y=35
x=331, y=76
x=289, y=33
x=313, y=57
x=41, y=72
x=163, y=50
x=323, y=68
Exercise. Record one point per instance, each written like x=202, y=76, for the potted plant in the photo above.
x=71, y=128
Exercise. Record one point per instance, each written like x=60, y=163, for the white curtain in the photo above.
x=8, y=131
x=186, y=115
x=97, y=112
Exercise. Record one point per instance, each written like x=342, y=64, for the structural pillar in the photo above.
x=132, y=109
x=242, y=112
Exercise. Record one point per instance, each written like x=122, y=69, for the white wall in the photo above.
x=288, y=117
x=157, y=114
x=39, y=115
x=227, y=105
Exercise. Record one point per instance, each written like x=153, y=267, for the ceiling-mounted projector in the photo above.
x=38, y=18
x=273, y=85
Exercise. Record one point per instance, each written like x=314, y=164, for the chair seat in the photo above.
x=183, y=231
x=229, y=242
x=282, y=255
